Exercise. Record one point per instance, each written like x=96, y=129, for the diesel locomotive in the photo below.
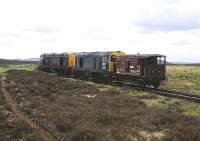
x=141, y=69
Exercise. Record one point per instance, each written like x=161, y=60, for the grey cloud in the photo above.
x=95, y=37
x=49, y=40
x=182, y=42
x=168, y=20
x=171, y=1
x=9, y=34
x=96, y=33
x=6, y=43
x=44, y=29
x=145, y=31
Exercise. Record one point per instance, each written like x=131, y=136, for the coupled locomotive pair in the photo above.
x=141, y=69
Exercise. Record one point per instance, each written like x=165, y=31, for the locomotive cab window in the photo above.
x=113, y=59
x=100, y=63
x=95, y=63
x=61, y=61
x=81, y=63
x=44, y=61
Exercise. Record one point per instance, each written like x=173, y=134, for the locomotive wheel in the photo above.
x=156, y=84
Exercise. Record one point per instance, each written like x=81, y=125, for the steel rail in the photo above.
x=165, y=92
x=177, y=94
x=189, y=96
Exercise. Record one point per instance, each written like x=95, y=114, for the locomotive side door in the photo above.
x=141, y=62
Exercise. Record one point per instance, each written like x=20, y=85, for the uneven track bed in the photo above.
x=178, y=94
x=193, y=97
x=72, y=110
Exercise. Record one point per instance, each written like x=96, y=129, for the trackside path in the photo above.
x=43, y=132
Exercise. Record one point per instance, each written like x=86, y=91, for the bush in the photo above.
x=175, y=107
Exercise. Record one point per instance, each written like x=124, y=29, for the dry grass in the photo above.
x=13, y=128
x=77, y=111
x=184, y=78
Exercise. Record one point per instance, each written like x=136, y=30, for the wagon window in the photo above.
x=160, y=60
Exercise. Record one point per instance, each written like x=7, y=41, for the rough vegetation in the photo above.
x=184, y=77
x=73, y=110
x=13, y=128
x=28, y=67
x=5, y=62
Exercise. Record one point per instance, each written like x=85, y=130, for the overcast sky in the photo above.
x=31, y=27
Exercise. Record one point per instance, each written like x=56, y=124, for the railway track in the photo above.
x=177, y=94
x=165, y=92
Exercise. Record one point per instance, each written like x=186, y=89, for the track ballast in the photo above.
x=165, y=92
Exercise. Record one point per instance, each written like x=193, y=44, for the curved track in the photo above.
x=177, y=94
x=165, y=92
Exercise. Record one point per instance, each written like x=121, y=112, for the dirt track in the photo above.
x=72, y=110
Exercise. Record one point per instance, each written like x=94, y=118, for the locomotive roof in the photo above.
x=99, y=53
x=55, y=54
x=104, y=53
x=143, y=55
